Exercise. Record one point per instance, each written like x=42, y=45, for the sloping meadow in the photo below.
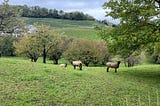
x=71, y=28
x=35, y=84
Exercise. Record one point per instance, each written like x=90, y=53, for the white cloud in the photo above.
x=76, y=4
x=98, y=13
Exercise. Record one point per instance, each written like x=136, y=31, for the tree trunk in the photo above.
x=35, y=59
x=31, y=59
x=44, y=54
x=55, y=61
x=129, y=64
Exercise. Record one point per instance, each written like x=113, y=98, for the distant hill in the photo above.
x=63, y=23
x=41, y=12
x=72, y=28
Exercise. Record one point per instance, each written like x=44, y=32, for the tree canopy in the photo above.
x=46, y=38
x=37, y=43
x=139, y=25
x=28, y=46
x=9, y=21
x=57, y=51
x=10, y=25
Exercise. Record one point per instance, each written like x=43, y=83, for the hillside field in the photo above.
x=23, y=83
x=77, y=29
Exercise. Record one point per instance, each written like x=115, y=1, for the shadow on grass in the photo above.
x=146, y=74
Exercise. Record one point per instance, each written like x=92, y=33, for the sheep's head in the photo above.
x=118, y=62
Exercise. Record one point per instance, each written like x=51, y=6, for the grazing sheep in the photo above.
x=63, y=65
x=77, y=64
x=113, y=65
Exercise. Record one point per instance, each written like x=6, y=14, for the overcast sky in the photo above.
x=91, y=7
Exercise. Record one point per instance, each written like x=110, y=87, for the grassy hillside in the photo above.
x=36, y=84
x=72, y=28
x=61, y=23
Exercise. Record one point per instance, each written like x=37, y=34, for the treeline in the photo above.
x=39, y=12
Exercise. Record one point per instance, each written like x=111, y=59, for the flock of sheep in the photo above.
x=75, y=64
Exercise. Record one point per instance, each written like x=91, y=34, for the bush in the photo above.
x=88, y=51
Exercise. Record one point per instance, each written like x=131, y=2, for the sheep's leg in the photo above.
x=115, y=70
x=107, y=69
x=80, y=66
x=74, y=67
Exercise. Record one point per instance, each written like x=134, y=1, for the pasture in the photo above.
x=72, y=28
x=35, y=84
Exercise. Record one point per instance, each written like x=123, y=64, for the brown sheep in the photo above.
x=113, y=65
x=77, y=64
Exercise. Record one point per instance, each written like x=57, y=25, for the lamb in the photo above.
x=113, y=65
x=63, y=65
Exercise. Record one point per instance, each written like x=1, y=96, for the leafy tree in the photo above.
x=10, y=24
x=25, y=12
x=47, y=38
x=9, y=21
x=88, y=51
x=139, y=25
x=6, y=45
x=38, y=43
x=43, y=12
x=100, y=53
x=56, y=52
x=28, y=46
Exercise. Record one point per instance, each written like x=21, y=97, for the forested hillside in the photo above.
x=41, y=12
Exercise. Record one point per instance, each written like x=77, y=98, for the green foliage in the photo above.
x=137, y=28
x=56, y=52
x=6, y=45
x=37, y=43
x=88, y=51
x=153, y=51
x=9, y=21
x=10, y=27
x=28, y=46
x=129, y=11
x=30, y=84
x=46, y=38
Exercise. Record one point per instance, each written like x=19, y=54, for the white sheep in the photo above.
x=63, y=65
x=77, y=64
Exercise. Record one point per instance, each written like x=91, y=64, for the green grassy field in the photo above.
x=61, y=23
x=23, y=83
x=77, y=29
